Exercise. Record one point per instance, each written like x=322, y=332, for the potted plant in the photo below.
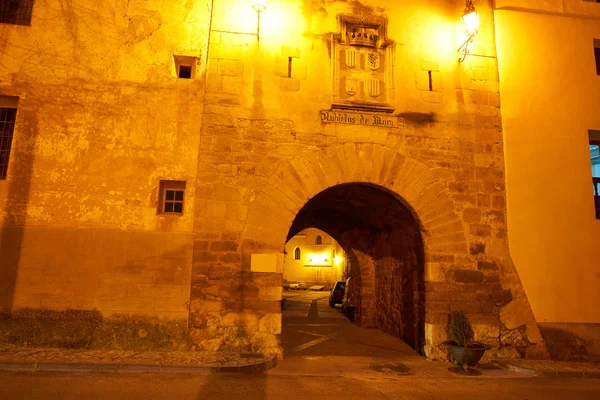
x=464, y=351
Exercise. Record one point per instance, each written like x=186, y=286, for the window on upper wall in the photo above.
x=597, y=55
x=171, y=197
x=319, y=240
x=185, y=66
x=7, y=127
x=595, y=161
x=297, y=253
x=16, y=12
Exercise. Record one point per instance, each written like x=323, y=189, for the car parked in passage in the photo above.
x=337, y=293
x=297, y=285
x=349, y=300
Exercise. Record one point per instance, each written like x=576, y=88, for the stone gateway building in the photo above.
x=156, y=156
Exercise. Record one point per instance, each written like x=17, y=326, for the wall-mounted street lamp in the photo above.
x=471, y=20
x=259, y=6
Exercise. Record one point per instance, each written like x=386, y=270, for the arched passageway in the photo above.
x=382, y=239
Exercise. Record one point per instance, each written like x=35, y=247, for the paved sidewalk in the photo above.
x=551, y=369
x=15, y=358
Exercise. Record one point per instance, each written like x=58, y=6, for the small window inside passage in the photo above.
x=297, y=253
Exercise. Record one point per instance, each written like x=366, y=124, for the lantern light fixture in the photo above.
x=470, y=19
x=259, y=5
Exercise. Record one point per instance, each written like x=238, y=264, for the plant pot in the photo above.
x=468, y=355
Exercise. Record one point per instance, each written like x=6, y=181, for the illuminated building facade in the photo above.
x=315, y=258
x=162, y=153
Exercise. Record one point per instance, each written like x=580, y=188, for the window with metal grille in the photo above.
x=171, y=197
x=16, y=12
x=7, y=126
x=595, y=161
x=297, y=253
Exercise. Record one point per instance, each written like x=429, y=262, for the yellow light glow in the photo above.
x=259, y=5
x=338, y=260
x=318, y=259
x=471, y=21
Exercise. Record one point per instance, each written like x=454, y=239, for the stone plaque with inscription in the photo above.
x=362, y=64
x=362, y=119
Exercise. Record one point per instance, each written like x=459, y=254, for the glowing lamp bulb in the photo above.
x=471, y=21
x=259, y=5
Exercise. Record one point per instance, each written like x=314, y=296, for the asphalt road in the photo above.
x=96, y=386
x=325, y=358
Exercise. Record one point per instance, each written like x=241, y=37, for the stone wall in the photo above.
x=264, y=153
x=400, y=285
x=101, y=119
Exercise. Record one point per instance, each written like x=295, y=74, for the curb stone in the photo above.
x=262, y=366
x=548, y=372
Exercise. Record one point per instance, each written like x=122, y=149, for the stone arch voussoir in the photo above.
x=311, y=172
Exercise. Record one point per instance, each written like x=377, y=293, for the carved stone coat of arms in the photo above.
x=362, y=64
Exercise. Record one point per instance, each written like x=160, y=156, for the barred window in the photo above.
x=7, y=126
x=595, y=160
x=16, y=12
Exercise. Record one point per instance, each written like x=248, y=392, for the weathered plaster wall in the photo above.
x=101, y=119
x=553, y=231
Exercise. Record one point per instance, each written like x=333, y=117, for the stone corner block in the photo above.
x=516, y=313
x=270, y=323
x=533, y=332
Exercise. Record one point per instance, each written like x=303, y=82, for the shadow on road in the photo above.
x=234, y=386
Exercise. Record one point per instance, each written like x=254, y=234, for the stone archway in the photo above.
x=423, y=193
x=383, y=242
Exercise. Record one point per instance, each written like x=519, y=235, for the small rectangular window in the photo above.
x=7, y=126
x=185, y=71
x=171, y=197
x=597, y=55
x=16, y=12
x=185, y=66
x=595, y=161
